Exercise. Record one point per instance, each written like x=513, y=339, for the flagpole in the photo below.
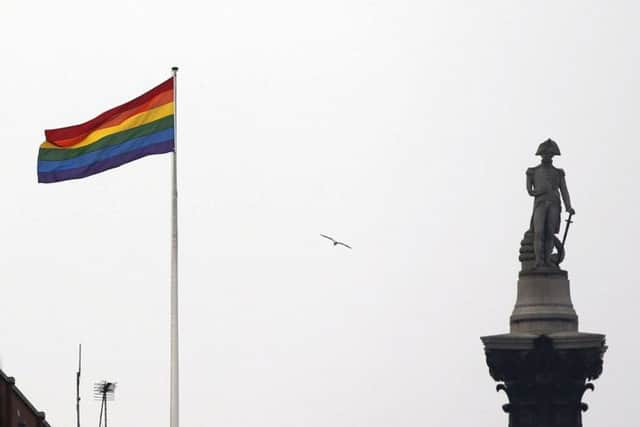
x=175, y=400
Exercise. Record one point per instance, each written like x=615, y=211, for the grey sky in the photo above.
x=401, y=127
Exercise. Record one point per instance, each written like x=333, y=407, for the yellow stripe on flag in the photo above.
x=132, y=122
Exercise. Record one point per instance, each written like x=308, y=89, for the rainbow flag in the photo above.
x=138, y=128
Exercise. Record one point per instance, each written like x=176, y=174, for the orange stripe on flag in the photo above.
x=160, y=99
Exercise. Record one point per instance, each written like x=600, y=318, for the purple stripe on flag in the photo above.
x=103, y=165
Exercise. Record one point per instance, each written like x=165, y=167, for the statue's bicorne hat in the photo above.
x=548, y=147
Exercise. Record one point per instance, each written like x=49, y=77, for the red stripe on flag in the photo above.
x=75, y=131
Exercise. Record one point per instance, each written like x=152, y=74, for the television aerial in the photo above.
x=104, y=391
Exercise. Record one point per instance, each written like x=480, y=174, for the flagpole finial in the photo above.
x=174, y=69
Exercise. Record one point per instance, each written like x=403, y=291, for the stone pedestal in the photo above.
x=543, y=305
x=544, y=364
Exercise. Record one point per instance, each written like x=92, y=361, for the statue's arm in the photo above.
x=530, y=188
x=565, y=194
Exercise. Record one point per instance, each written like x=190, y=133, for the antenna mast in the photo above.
x=78, y=384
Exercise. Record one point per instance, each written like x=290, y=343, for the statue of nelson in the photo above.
x=546, y=184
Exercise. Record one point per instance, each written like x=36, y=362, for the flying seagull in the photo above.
x=335, y=242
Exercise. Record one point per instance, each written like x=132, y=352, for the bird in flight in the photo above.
x=335, y=242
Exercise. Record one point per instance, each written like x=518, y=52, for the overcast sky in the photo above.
x=403, y=128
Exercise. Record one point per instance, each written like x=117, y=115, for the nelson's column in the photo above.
x=544, y=364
